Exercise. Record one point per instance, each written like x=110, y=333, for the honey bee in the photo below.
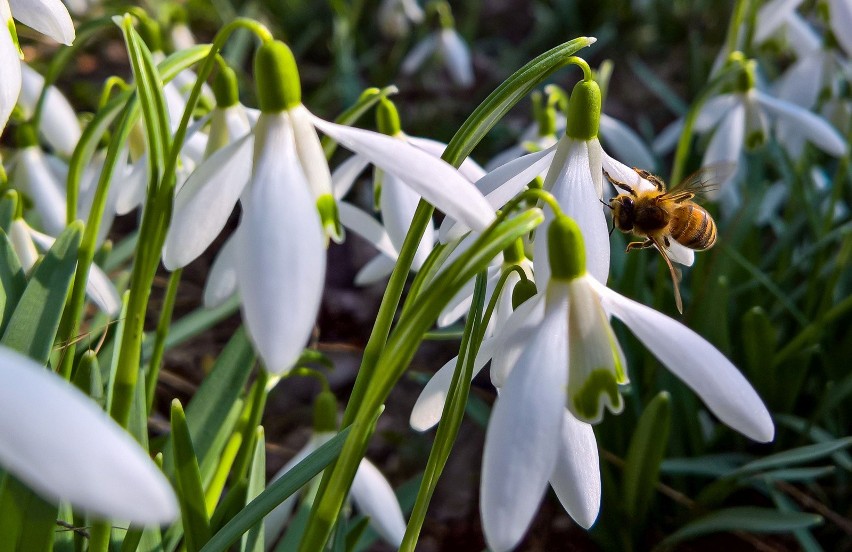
x=661, y=216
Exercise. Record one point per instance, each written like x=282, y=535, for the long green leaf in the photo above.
x=196, y=524
x=644, y=455
x=755, y=520
x=13, y=281
x=32, y=327
x=795, y=456
x=276, y=492
x=253, y=540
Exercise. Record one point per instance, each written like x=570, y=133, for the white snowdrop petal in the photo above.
x=274, y=521
x=434, y=179
x=418, y=55
x=311, y=156
x=709, y=116
x=374, y=497
x=430, y=404
x=523, y=435
x=697, y=363
x=520, y=327
x=376, y=270
x=36, y=179
x=501, y=185
x=771, y=16
x=800, y=33
x=101, y=290
x=363, y=224
x=204, y=203
x=346, y=174
x=457, y=57
x=726, y=145
x=58, y=126
x=801, y=83
x=398, y=204
x=469, y=168
x=621, y=172
x=625, y=143
x=222, y=279
x=281, y=251
x=813, y=127
x=62, y=445
x=132, y=188
x=10, y=84
x=680, y=253
x=576, y=479
x=49, y=17
x=841, y=21
x=22, y=244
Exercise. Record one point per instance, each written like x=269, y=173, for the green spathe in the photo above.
x=225, y=87
x=387, y=118
x=277, y=78
x=325, y=413
x=525, y=289
x=584, y=111
x=599, y=381
x=566, y=252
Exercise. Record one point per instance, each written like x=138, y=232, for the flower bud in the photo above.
x=387, y=118
x=566, y=252
x=325, y=413
x=277, y=78
x=225, y=87
x=584, y=111
x=525, y=289
x=514, y=253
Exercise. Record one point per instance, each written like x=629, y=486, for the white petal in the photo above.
x=10, y=84
x=710, y=114
x=813, y=127
x=512, y=339
x=398, y=204
x=375, y=498
x=57, y=441
x=281, y=252
x=226, y=125
x=469, y=168
x=522, y=440
x=625, y=143
x=222, y=278
x=345, y=175
x=311, y=155
x=726, y=145
x=376, y=270
x=576, y=479
x=35, y=178
x=501, y=185
x=800, y=33
x=457, y=57
x=841, y=21
x=621, y=172
x=430, y=404
x=204, y=203
x=49, y=17
x=102, y=291
x=59, y=126
x=132, y=188
x=274, y=521
x=363, y=224
x=22, y=244
x=570, y=181
x=801, y=83
x=437, y=181
x=695, y=361
x=771, y=16
x=419, y=54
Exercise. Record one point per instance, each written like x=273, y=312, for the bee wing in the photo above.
x=674, y=272
x=706, y=179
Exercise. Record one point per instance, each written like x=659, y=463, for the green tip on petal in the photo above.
x=25, y=136
x=387, y=118
x=277, y=78
x=327, y=207
x=325, y=413
x=755, y=139
x=584, y=111
x=587, y=400
x=225, y=87
x=565, y=249
x=524, y=290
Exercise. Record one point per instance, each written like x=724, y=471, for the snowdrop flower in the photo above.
x=49, y=17
x=779, y=17
x=558, y=350
x=446, y=44
x=57, y=441
x=33, y=174
x=58, y=126
x=372, y=494
x=739, y=120
x=99, y=287
x=396, y=16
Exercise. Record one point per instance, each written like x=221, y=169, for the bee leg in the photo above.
x=658, y=184
x=620, y=185
x=639, y=245
x=666, y=241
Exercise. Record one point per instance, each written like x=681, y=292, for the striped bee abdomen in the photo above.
x=693, y=227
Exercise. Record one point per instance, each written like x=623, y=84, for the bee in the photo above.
x=661, y=216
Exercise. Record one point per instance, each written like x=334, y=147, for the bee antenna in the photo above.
x=605, y=204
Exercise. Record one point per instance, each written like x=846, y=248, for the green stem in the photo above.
x=160, y=341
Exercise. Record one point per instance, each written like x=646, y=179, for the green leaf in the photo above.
x=253, y=540
x=196, y=524
x=799, y=474
x=644, y=455
x=87, y=377
x=276, y=492
x=746, y=518
x=711, y=465
x=794, y=456
x=32, y=327
x=13, y=281
x=27, y=522
x=8, y=206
